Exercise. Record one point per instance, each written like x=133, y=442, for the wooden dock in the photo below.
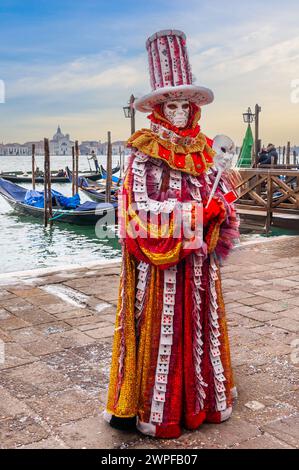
x=270, y=195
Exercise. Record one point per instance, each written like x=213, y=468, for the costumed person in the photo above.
x=171, y=365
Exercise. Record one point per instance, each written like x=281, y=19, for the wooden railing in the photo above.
x=268, y=190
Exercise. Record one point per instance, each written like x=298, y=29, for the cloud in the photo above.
x=246, y=54
x=85, y=74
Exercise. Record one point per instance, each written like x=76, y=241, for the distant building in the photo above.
x=14, y=149
x=61, y=144
x=88, y=146
x=117, y=147
x=39, y=147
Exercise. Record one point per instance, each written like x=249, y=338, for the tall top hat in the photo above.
x=170, y=72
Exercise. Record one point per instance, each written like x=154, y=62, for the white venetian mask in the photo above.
x=177, y=112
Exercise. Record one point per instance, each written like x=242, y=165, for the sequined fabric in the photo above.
x=171, y=359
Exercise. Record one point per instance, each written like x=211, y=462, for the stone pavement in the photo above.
x=56, y=331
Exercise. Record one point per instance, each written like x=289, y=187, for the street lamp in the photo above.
x=129, y=112
x=248, y=117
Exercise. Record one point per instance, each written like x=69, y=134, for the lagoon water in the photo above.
x=26, y=244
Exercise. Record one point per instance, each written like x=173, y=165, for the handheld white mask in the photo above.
x=177, y=112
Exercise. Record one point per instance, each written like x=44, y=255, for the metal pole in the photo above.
x=33, y=166
x=73, y=170
x=133, y=113
x=253, y=160
x=109, y=169
x=77, y=164
x=256, y=137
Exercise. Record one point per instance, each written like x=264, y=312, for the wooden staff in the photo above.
x=109, y=169
x=76, y=165
x=73, y=170
x=33, y=166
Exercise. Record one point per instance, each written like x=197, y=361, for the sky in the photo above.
x=76, y=62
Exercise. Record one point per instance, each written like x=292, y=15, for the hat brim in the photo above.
x=196, y=94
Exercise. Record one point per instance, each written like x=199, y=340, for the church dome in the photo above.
x=58, y=135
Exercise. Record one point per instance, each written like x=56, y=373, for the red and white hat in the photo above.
x=170, y=72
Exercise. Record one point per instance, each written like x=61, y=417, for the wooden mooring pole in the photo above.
x=109, y=169
x=47, y=186
x=294, y=157
x=283, y=154
x=279, y=154
x=50, y=209
x=46, y=162
x=33, y=166
x=76, y=165
x=73, y=170
x=288, y=153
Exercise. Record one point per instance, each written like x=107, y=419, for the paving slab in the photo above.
x=286, y=429
x=55, y=372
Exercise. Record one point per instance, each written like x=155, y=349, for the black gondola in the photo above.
x=95, y=191
x=88, y=213
x=20, y=178
x=98, y=194
x=103, y=171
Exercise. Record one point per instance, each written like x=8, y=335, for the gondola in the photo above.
x=103, y=171
x=14, y=178
x=21, y=178
x=95, y=191
x=115, y=179
x=88, y=213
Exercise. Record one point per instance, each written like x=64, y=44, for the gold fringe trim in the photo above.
x=171, y=256
x=123, y=403
x=148, y=142
x=225, y=347
x=214, y=238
